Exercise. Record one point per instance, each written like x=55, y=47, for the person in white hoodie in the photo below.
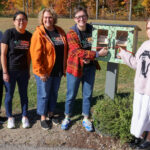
x=141, y=103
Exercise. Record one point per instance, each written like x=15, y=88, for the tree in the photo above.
x=91, y=8
x=32, y=6
x=146, y=4
x=61, y=8
x=70, y=4
x=113, y=6
x=45, y=3
x=10, y=6
x=27, y=6
x=2, y=4
x=138, y=8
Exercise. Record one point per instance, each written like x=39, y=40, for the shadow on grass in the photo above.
x=123, y=95
x=32, y=116
x=117, y=95
x=60, y=108
x=1, y=126
x=77, y=108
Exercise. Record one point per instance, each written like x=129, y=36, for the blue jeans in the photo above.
x=47, y=93
x=22, y=78
x=87, y=88
x=1, y=88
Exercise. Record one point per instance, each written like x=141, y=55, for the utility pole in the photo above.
x=32, y=5
x=103, y=5
x=27, y=7
x=103, y=13
x=97, y=9
x=70, y=9
x=130, y=10
x=24, y=5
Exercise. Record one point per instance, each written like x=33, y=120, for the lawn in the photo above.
x=125, y=78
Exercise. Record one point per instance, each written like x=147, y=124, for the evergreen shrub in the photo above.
x=113, y=117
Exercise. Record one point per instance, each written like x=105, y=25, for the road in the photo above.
x=24, y=147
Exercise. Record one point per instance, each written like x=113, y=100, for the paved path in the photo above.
x=24, y=147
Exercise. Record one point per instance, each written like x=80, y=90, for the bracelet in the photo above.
x=5, y=72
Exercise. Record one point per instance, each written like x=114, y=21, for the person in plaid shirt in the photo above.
x=81, y=66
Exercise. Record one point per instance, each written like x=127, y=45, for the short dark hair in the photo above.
x=18, y=13
x=80, y=8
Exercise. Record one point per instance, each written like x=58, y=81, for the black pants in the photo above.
x=1, y=87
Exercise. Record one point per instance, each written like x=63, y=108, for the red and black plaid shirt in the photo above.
x=77, y=55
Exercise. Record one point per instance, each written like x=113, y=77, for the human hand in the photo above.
x=118, y=56
x=119, y=49
x=103, y=51
x=86, y=61
x=6, y=77
x=44, y=78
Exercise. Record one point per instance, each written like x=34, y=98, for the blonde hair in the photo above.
x=51, y=11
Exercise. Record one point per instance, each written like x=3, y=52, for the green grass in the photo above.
x=125, y=86
x=125, y=77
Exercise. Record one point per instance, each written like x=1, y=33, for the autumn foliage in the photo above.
x=65, y=7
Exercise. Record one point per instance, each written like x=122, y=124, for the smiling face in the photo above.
x=20, y=23
x=81, y=20
x=148, y=29
x=48, y=20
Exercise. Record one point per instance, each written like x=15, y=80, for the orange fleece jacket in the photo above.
x=42, y=51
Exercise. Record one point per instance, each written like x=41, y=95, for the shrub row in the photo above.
x=113, y=117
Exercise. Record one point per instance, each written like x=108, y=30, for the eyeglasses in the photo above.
x=79, y=17
x=50, y=18
x=21, y=20
x=147, y=28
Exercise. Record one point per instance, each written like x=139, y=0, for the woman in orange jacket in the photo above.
x=49, y=55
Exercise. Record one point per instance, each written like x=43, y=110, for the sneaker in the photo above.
x=88, y=125
x=11, y=123
x=145, y=146
x=55, y=120
x=3, y=119
x=25, y=122
x=65, y=124
x=44, y=125
x=135, y=142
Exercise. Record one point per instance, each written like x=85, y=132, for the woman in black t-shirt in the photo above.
x=15, y=64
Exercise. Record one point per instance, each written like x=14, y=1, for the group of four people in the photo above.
x=52, y=54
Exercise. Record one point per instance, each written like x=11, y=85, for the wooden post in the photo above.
x=111, y=79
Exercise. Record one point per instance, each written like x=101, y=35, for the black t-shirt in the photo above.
x=86, y=42
x=18, y=48
x=86, y=39
x=57, y=70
